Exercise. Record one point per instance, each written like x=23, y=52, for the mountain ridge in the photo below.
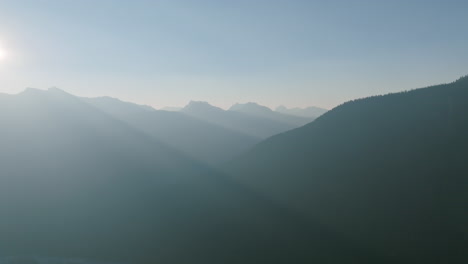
x=79, y=183
x=246, y=123
x=389, y=170
x=311, y=111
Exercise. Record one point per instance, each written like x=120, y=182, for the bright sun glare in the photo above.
x=2, y=53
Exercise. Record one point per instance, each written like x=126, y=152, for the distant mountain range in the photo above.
x=311, y=111
x=206, y=142
x=215, y=136
x=388, y=172
x=210, y=135
x=250, y=119
x=375, y=180
x=87, y=178
x=257, y=110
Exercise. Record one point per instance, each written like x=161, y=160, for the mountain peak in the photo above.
x=257, y=110
x=49, y=91
x=55, y=90
x=250, y=107
x=198, y=103
x=199, y=106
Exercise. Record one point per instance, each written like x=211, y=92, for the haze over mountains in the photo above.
x=215, y=135
x=293, y=132
x=251, y=119
x=256, y=109
x=194, y=133
x=209, y=143
x=310, y=111
x=171, y=108
x=375, y=180
x=80, y=182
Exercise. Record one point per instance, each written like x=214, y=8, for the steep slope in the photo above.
x=76, y=182
x=254, y=109
x=310, y=111
x=209, y=143
x=387, y=171
x=255, y=126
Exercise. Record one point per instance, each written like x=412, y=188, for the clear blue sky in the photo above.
x=296, y=53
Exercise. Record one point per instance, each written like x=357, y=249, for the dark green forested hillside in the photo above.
x=388, y=172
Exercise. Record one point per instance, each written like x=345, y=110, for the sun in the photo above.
x=3, y=53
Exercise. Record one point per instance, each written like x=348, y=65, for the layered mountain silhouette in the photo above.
x=375, y=180
x=248, y=121
x=204, y=132
x=388, y=172
x=78, y=181
x=257, y=110
x=311, y=111
x=209, y=143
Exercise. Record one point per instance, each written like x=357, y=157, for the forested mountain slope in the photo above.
x=387, y=171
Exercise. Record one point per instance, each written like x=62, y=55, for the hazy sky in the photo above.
x=296, y=53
